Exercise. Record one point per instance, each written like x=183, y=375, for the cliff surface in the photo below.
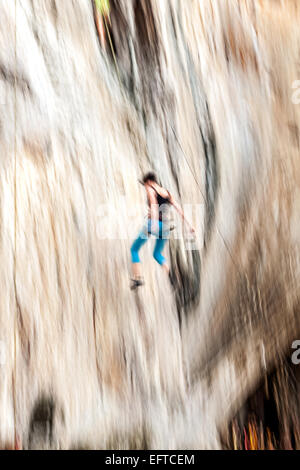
x=201, y=92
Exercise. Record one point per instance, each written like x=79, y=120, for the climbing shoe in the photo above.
x=135, y=283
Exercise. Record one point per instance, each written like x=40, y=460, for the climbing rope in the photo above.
x=182, y=151
x=203, y=195
x=112, y=50
x=102, y=9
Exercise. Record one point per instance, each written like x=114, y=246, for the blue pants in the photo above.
x=141, y=240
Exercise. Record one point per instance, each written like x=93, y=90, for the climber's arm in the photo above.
x=180, y=212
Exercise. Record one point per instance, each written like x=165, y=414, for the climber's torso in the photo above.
x=163, y=199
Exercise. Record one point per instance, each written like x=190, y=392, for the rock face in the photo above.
x=202, y=93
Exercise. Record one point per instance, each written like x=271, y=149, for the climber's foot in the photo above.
x=135, y=283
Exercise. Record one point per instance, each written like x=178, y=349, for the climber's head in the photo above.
x=149, y=178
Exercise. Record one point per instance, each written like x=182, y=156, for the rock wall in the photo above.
x=201, y=92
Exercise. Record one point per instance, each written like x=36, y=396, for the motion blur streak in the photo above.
x=199, y=91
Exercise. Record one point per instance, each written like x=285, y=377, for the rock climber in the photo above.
x=159, y=199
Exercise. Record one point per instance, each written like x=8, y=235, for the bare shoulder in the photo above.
x=150, y=193
x=149, y=189
x=162, y=191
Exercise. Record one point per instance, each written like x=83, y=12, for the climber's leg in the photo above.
x=135, y=259
x=159, y=246
x=158, y=256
